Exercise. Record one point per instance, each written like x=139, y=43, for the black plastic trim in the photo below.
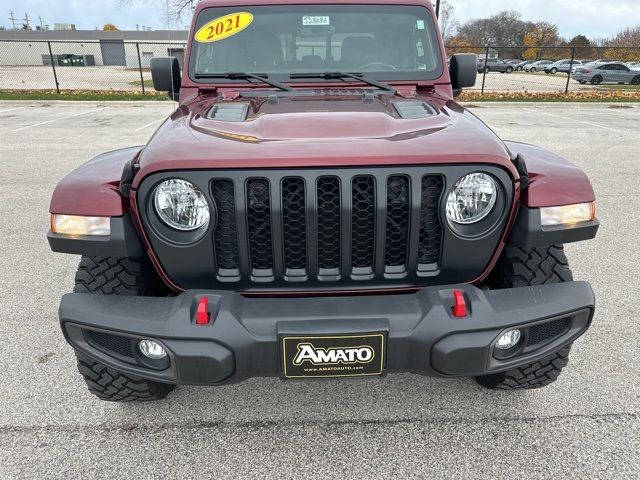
x=242, y=339
x=123, y=241
x=528, y=231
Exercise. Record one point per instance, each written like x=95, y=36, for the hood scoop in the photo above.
x=229, y=112
x=414, y=109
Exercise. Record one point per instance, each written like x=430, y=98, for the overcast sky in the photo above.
x=594, y=18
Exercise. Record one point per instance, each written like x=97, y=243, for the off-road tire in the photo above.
x=118, y=276
x=113, y=386
x=535, y=375
x=520, y=267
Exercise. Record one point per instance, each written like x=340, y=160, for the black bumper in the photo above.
x=242, y=340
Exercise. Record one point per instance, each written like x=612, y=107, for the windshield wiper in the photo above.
x=245, y=76
x=342, y=76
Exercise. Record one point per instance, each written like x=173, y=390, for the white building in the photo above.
x=96, y=47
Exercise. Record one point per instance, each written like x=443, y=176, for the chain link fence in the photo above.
x=81, y=65
x=117, y=65
x=554, y=69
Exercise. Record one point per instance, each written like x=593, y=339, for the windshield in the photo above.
x=384, y=42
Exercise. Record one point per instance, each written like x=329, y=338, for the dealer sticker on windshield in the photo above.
x=224, y=27
x=311, y=20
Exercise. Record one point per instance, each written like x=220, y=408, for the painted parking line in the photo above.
x=570, y=119
x=11, y=109
x=56, y=119
x=149, y=124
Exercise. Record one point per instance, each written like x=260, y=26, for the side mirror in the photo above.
x=165, y=73
x=463, y=70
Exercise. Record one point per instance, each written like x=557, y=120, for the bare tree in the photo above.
x=175, y=13
x=447, y=19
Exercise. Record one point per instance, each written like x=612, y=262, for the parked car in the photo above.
x=520, y=66
x=613, y=72
x=239, y=242
x=562, y=66
x=494, y=65
x=537, y=66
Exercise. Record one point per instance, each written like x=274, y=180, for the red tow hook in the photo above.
x=202, y=316
x=459, y=304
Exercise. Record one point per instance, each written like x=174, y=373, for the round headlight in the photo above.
x=471, y=198
x=181, y=205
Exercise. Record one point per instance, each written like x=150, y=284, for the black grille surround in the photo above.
x=325, y=229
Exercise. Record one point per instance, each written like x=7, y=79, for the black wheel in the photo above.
x=113, y=386
x=635, y=80
x=533, y=69
x=597, y=80
x=509, y=70
x=118, y=276
x=582, y=81
x=518, y=69
x=554, y=70
x=486, y=69
x=520, y=267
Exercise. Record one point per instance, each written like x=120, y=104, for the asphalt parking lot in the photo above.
x=586, y=425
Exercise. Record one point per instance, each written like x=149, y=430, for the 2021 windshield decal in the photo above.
x=223, y=27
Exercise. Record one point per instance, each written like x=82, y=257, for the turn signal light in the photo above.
x=567, y=214
x=80, y=225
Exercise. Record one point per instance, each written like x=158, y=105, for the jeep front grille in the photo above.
x=295, y=225
x=322, y=229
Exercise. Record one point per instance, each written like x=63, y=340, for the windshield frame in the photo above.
x=202, y=16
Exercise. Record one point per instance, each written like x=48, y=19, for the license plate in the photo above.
x=333, y=355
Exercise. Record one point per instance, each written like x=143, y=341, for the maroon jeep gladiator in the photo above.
x=318, y=205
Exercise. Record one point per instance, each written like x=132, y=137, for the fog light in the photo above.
x=508, y=339
x=152, y=349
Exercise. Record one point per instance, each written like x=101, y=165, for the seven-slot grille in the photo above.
x=327, y=227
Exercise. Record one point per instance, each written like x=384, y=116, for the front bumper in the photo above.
x=242, y=340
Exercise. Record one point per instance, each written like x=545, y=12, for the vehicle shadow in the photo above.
x=398, y=397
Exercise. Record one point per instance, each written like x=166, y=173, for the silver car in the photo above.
x=610, y=72
x=537, y=66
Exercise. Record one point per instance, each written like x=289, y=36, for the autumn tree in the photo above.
x=109, y=27
x=583, y=46
x=617, y=47
x=543, y=34
x=505, y=29
x=460, y=45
